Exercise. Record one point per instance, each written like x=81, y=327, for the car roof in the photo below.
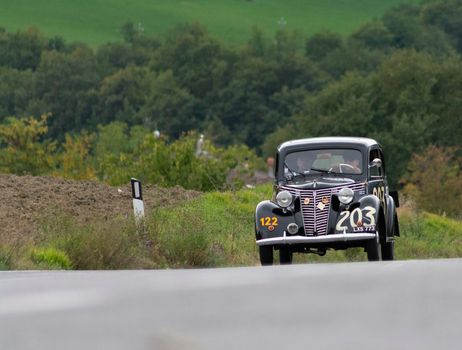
x=333, y=141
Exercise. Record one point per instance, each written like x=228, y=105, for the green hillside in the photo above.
x=97, y=21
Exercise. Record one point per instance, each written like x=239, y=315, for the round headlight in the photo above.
x=284, y=199
x=346, y=195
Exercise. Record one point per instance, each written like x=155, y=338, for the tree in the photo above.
x=75, y=159
x=63, y=86
x=23, y=150
x=447, y=16
x=21, y=50
x=194, y=57
x=434, y=180
x=169, y=107
x=15, y=91
x=374, y=35
x=321, y=44
x=122, y=95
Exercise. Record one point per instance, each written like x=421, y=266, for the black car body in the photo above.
x=330, y=193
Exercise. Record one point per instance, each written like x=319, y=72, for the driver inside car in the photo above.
x=352, y=164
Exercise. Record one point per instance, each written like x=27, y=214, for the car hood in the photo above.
x=321, y=183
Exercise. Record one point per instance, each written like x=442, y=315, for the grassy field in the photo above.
x=213, y=230
x=97, y=21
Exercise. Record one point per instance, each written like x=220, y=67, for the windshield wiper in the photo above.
x=325, y=171
x=294, y=173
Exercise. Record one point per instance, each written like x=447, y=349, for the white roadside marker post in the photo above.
x=138, y=205
x=138, y=209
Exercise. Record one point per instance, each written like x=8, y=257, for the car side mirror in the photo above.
x=377, y=162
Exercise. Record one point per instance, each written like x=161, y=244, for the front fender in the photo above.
x=362, y=215
x=370, y=200
x=392, y=218
x=271, y=220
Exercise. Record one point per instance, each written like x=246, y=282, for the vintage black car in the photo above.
x=330, y=193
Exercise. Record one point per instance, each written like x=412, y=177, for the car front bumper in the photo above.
x=340, y=237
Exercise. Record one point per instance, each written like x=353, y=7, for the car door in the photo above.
x=377, y=181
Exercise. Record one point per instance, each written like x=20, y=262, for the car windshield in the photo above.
x=328, y=161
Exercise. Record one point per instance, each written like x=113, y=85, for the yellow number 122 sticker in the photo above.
x=269, y=222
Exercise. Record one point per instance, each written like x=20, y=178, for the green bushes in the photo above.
x=50, y=259
x=434, y=181
x=5, y=258
x=100, y=244
x=213, y=230
x=216, y=229
x=117, y=152
x=426, y=236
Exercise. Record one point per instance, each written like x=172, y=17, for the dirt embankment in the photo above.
x=24, y=199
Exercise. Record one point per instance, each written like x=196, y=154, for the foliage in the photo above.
x=5, y=258
x=397, y=78
x=122, y=94
x=22, y=152
x=178, y=163
x=64, y=87
x=321, y=44
x=429, y=236
x=21, y=50
x=401, y=104
x=50, y=259
x=190, y=80
x=100, y=244
x=117, y=153
x=434, y=181
x=216, y=229
x=74, y=161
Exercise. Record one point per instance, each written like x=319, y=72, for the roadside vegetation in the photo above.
x=214, y=230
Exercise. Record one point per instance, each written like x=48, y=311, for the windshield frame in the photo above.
x=281, y=160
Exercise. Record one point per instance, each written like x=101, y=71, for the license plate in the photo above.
x=369, y=229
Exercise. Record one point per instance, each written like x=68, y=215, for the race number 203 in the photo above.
x=359, y=219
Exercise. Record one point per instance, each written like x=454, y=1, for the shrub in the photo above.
x=99, y=244
x=434, y=181
x=216, y=229
x=5, y=259
x=182, y=239
x=426, y=236
x=50, y=259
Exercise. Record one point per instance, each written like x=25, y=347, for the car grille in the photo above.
x=315, y=220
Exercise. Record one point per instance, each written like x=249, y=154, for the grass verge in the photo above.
x=216, y=229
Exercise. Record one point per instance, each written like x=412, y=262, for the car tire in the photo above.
x=374, y=250
x=285, y=256
x=388, y=251
x=266, y=255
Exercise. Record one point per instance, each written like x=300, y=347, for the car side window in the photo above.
x=383, y=172
x=375, y=171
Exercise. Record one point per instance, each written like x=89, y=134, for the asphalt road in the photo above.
x=387, y=305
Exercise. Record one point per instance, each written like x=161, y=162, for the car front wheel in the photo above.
x=266, y=255
x=388, y=250
x=374, y=250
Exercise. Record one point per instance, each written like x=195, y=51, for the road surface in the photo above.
x=386, y=305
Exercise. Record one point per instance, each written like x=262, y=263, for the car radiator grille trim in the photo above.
x=315, y=220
